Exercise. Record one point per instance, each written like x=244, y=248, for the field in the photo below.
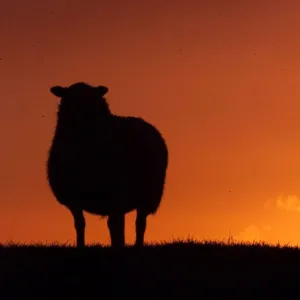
x=179, y=270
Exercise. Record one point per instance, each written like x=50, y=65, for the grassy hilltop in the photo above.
x=179, y=270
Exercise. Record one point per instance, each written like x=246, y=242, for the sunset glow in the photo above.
x=221, y=81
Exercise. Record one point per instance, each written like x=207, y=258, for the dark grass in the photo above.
x=178, y=270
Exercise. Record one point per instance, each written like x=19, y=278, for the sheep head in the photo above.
x=81, y=99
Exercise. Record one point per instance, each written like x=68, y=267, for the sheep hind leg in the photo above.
x=140, y=228
x=79, y=223
x=116, y=226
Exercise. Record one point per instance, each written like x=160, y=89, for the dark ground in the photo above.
x=183, y=270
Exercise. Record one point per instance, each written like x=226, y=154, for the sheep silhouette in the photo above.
x=103, y=163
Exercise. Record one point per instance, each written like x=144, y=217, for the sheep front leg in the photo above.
x=116, y=226
x=140, y=228
x=79, y=223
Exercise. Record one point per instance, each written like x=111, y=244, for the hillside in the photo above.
x=180, y=270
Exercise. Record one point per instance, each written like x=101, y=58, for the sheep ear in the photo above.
x=101, y=90
x=58, y=91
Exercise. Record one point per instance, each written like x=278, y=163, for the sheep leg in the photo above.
x=79, y=223
x=116, y=226
x=140, y=228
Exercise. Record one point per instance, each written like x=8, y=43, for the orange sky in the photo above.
x=220, y=79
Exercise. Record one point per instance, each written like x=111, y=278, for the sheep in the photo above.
x=104, y=164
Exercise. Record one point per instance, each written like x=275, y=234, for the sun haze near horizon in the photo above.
x=219, y=80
